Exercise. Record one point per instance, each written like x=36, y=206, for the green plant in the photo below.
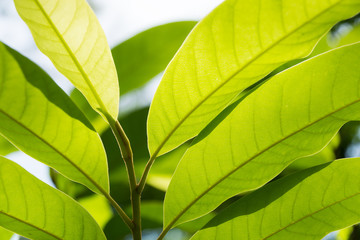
x=225, y=106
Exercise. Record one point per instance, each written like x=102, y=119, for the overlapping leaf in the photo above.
x=6, y=147
x=33, y=209
x=41, y=120
x=68, y=32
x=324, y=156
x=236, y=45
x=5, y=234
x=294, y=114
x=305, y=205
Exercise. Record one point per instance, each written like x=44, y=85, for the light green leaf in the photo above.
x=68, y=32
x=324, y=156
x=138, y=60
x=145, y=55
x=5, y=234
x=35, y=210
x=42, y=121
x=292, y=115
x=6, y=147
x=303, y=206
x=344, y=234
x=96, y=120
x=236, y=45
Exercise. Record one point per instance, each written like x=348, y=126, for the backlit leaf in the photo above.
x=236, y=45
x=303, y=206
x=42, y=121
x=35, y=210
x=5, y=234
x=68, y=32
x=6, y=147
x=292, y=115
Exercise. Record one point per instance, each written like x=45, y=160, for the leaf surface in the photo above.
x=6, y=147
x=41, y=120
x=68, y=32
x=303, y=206
x=5, y=234
x=236, y=45
x=292, y=115
x=35, y=210
x=324, y=156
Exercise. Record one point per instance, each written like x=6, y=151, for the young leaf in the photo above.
x=35, y=210
x=305, y=205
x=5, y=234
x=68, y=32
x=239, y=43
x=145, y=55
x=41, y=120
x=294, y=114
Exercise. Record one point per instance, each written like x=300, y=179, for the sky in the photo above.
x=120, y=19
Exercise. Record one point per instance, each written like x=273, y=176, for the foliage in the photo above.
x=243, y=126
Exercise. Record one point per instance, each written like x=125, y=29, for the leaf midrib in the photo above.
x=311, y=214
x=56, y=150
x=256, y=57
x=74, y=58
x=258, y=154
x=31, y=225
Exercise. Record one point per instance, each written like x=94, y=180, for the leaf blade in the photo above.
x=180, y=109
x=41, y=120
x=6, y=147
x=77, y=46
x=321, y=186
x=253, y=152
x=23, y=215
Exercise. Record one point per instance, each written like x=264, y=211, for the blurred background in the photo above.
x=137, y=52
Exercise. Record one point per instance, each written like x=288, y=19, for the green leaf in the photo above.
x=6, y=147
x=305, y=205
x=138, y=60
x=41, y=120
x=96, y=120
x=236, y=45
x=145, y=55
x=325, y=155
x=68, y=32
x=292, y=115
x=5, y=234
x=35, y=210
x=344, y=234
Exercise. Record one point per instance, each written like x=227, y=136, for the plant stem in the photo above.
x=142, y=181
x=136, y=203
x=127, y=155
x=126, y=152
